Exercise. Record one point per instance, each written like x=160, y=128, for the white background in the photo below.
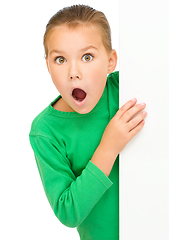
x=25, y=90
x=144, y=163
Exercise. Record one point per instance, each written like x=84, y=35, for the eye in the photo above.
x=87, y=58
x=60, y=60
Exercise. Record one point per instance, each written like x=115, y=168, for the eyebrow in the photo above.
x=87, y=48
x=82, y=50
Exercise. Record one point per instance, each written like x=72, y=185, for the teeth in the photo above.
x=74, y=97
x=77, y=99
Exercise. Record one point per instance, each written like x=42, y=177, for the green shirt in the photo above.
x=80, y=194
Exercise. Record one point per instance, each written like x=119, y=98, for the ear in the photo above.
x=47, y=64
x=112, y=61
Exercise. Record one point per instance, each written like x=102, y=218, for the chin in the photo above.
x=84, y=110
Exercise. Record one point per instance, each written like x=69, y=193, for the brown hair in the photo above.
x=79, y=14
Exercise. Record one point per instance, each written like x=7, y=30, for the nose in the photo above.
x=74, y=71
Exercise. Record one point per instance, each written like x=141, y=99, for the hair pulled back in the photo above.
x=76, y=15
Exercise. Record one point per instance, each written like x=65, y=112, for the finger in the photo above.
x=126, y=107
x=135, y=121
x=128, y=115
x=136, y=130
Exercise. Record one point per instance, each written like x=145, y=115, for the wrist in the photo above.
x=104, y=159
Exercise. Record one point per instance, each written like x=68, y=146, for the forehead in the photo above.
x=74, y=37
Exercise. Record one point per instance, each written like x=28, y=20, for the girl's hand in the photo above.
x=127, y=122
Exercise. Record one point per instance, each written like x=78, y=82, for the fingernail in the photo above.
x=134, y=99
x=145, y=113
x=142, y=104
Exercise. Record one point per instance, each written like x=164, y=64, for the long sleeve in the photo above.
x=71, y=198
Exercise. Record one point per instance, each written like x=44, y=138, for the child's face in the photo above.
x=78, y=64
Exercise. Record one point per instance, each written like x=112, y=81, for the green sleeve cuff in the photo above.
x=99, y=174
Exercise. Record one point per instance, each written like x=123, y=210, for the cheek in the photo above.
x=101, y=68
x=97, y=77
x=56, y=76
x=97, y=86
x=58, y=84
x=100, y=76
x=55, y=79
x=97, y=70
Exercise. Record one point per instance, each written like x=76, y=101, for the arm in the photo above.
x=122, y=128
x=71, y=198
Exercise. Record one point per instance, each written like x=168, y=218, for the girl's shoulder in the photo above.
x=113, y=80
x=114, y=77
x=39, y=123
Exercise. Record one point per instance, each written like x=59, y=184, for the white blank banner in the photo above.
x=144, y=163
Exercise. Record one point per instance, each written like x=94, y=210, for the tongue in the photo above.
x=79, y=94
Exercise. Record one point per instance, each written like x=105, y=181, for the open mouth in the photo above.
x=78, y=94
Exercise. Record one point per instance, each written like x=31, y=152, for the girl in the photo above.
x=77, y=138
